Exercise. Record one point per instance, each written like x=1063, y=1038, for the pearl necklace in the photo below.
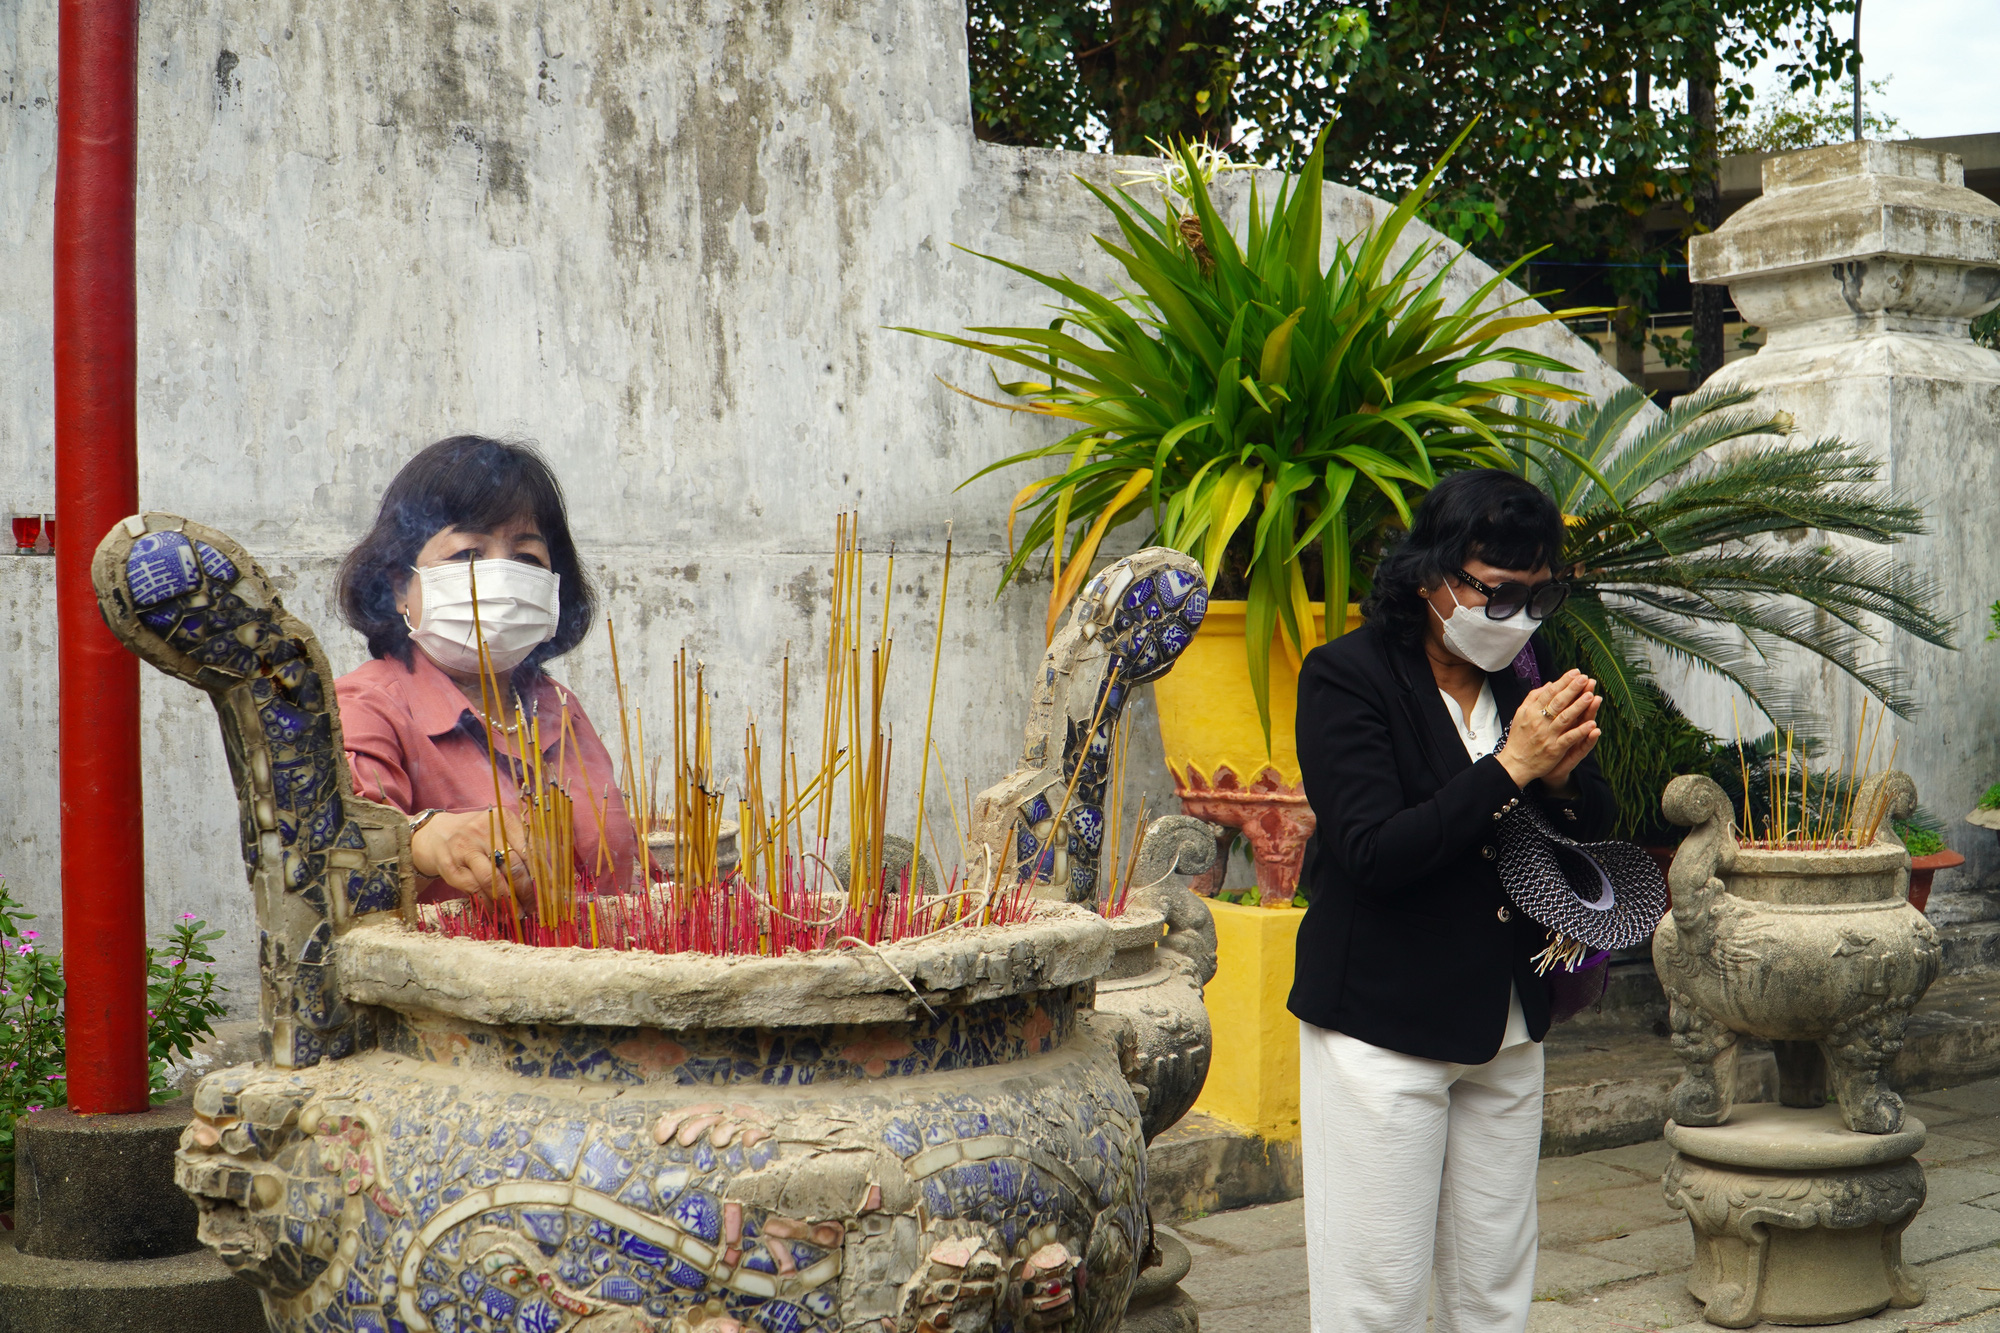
x=501, y=727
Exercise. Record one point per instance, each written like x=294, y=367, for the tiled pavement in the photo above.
x=1614, y=1257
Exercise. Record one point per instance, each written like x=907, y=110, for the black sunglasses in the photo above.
x=1504, y=599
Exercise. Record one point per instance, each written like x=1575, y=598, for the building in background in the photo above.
x=1586, y=282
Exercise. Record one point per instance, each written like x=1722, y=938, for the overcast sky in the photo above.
x=1944, y=56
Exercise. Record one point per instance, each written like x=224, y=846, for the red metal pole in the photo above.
x=97, y=484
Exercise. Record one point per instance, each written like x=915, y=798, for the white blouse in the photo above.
x=1481, y=734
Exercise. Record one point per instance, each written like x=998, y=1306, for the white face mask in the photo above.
x=1487, y=644
x=518, y=606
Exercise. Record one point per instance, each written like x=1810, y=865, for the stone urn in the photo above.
x=1818, y=952
x=1164, y=1049
x=450, y=1135
x=728, y=849
x=1165, y=954
x=1797, y=1209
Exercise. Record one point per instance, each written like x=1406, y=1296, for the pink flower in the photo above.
x=187, y=916
x=34, y=1108
x=31, y=934
x=25, y=950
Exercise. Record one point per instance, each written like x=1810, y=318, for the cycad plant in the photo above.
x=1712, y=537
x=1239, y=386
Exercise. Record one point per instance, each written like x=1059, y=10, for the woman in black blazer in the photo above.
x=1420, y=1011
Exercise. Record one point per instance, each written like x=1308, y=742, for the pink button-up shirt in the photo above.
x=414, y=742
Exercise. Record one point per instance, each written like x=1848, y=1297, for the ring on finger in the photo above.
x=499, y=860
x=1547, y=713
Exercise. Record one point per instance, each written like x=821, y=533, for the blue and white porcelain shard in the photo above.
x=1175, y=585
x=191, y=602
x=215, y=563
x=1128, y=626
x=161, y=565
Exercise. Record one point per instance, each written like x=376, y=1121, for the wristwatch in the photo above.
x=422, y=818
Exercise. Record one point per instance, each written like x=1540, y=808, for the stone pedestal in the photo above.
x=103, y=1240
x=1158, y=1304
x=1796, y=1218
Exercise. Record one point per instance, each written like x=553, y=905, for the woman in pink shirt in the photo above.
x=472, y=515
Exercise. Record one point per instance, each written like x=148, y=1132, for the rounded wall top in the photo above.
x=389, y=964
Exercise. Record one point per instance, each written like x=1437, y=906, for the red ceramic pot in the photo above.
x=1921, y=870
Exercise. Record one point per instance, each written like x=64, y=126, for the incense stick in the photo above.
x=930, y=708
x=769, y=902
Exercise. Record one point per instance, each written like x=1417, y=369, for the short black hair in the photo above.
x=475, y=483
x=1483, y=513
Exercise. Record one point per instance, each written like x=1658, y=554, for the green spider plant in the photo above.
x=1241, y=387
x=1709, y=536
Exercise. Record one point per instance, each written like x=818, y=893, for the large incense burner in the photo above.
x=451, y=1134
x=1817, y=950
x=1797, y=1210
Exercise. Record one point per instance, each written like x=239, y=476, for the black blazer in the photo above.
x=1406, y=945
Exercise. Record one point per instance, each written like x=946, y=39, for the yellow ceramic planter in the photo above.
x=1215, y=745
x=1253, y=1073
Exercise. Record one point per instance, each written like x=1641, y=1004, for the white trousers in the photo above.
x=1417, y=1173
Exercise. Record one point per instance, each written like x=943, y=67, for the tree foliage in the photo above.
x=1584, y=120
x=1095, y=74
x=1798, y=119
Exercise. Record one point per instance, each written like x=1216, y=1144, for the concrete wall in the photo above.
x=662, y=240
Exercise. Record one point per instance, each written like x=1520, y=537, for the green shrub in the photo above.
x=1918, y=840
x=183, y=1000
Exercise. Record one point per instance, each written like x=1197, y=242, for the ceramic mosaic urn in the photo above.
x=454, y=1135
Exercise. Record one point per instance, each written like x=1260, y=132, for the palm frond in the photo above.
x=1715, y=539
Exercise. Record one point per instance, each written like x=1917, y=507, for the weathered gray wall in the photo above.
x=663, y=241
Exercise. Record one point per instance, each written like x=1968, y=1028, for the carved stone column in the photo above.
x=1865, y=264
